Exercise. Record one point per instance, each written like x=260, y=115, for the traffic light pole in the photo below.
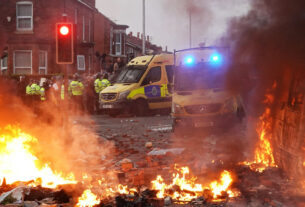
x=65, y=113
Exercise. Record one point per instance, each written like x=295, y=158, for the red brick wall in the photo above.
x=45, y=15
x=101, y=37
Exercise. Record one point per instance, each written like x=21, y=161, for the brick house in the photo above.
x=134, y=46
x=110, y=39
x=27, y=35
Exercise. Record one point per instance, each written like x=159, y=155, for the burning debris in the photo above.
x=264, y=153
x=19, y=164
x=184, y=187
x=88, y=199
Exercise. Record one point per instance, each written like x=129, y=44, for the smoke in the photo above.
x=209, y=20
x=267, y=46
x=65, y=143
x=268, y=50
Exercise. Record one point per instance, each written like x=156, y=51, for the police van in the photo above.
x=200, y=97
x=143, y=86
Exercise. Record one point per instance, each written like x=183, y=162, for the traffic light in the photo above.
x=64, y=43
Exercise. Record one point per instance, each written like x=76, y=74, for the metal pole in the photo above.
x=190, y=29
x=144, y=35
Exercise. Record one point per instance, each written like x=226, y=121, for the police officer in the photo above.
x=43, y=92
x=97, y=88
x=76, y=92
x=28, y=88
x=35, y=91
x=62, y=91
x=105, y=82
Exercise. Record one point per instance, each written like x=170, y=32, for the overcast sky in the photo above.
x=167, y=21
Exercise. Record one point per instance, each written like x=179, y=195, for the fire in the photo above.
x=223, y=186
x=18, y=163
x=124, y=190
x=185, y=188
x=263, y=157
x=88, y=199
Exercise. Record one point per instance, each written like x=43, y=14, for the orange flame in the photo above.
x=183, y=188
x=16, y=156
x=263, y=157
x=223, y=186
x=88, y=199
x=124, y=190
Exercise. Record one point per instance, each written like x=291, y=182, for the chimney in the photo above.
x=147, y=38
x=138, y=35
x=165, y=48
x=130, y=34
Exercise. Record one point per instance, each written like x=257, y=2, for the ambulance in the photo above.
x=200, y=98
x=143, y=86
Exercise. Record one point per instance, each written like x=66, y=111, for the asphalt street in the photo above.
x=130, y=136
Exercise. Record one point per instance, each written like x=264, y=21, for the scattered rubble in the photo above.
x=149, y=145
x=34, y=196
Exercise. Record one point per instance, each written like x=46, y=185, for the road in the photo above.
x=131, y=134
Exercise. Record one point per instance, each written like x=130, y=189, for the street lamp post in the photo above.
x=144, y=36
x=190, y=32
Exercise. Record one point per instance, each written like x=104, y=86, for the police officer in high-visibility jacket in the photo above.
x=35, y=91
x=76, y=92
x=62, y=92
x=42, y=93
x=97, y=88
x=105, y=81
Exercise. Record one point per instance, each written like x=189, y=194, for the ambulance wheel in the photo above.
x=141, y=107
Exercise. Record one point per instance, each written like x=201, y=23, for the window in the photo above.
x=131, y=74
x=43, y=62
x=24, y=12
x=118, y=41
x=153, y=76
x=84, y=29
x=81, y=62
x=170, y=73
x=4, y=65
x=23, y=62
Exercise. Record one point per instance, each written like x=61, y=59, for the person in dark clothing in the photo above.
x=90, y=95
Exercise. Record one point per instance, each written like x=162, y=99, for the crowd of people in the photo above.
x=81, y=92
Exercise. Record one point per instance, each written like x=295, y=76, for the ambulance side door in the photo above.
x=152, y=87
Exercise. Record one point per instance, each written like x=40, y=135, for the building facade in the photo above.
x=134, y=46
x=27, y=44
x=28, y=37
x=110, y=39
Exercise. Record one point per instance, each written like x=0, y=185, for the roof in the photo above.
x=137, y=42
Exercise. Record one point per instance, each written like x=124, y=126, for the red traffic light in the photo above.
x=64, y=43
x=64, y=30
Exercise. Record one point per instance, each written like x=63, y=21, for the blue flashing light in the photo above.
x=215, y=58
x=189, y=60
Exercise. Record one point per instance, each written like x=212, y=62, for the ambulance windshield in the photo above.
x=198, y=77
x=131, y=74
